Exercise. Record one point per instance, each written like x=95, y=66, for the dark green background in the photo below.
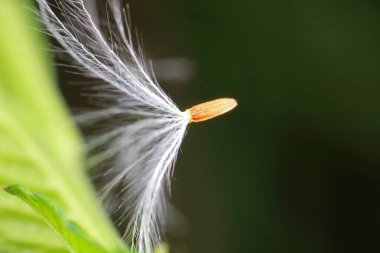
x=296, y=166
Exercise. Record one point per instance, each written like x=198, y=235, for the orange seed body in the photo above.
x=210, y=109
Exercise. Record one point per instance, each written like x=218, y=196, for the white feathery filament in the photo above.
x=140, y=148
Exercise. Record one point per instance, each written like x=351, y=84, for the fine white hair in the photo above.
x=140, y=147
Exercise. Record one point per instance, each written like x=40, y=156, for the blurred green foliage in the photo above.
x=39, y=146
x=74, y=237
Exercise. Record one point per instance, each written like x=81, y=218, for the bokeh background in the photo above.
x=296, y=166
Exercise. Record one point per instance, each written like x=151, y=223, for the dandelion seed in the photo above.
x=211, y=109
x=139, y=149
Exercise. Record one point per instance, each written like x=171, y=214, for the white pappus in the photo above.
x=140, y=149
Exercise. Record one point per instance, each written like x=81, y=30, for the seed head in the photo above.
x=139, y=148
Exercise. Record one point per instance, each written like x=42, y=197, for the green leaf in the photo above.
x=39, y=145
x=161, y=248
x=76, y=239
